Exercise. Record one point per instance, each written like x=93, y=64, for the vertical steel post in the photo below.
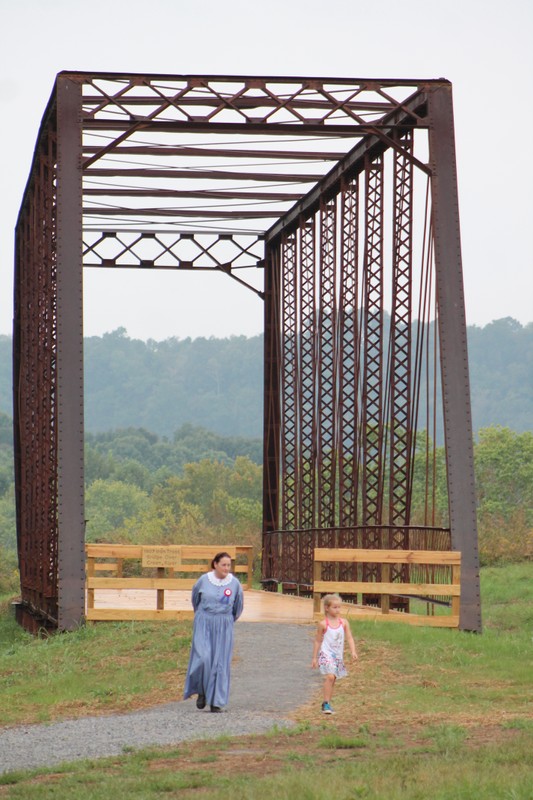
x=34, y=384
x=348, y=366
x=327, y=370
x=454, y=354
x=289, y=382
x=289, y=409
x=271, y=413
x=307, y=373
x=71, y=556
x=348, y=433
x=307, y=400
x=400, y=361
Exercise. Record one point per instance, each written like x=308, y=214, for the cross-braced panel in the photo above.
x=373, y=367
x=289, y=383
x=308, y=383
x=349, y=327
x=349, y=438
x=401, y=322
x=35, y=345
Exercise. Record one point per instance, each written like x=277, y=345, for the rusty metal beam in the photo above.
x=307, y=373
x=315, y=127
x=205, y=194
x=271, y=415
x=454, y=353
x=203, y=213
x=209, y=152
x=70, y=487
x=212, y=175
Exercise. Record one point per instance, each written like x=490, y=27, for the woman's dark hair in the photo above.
x=219, y=557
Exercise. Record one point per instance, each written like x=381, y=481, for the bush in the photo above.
x=9, y=573
x=504, y=540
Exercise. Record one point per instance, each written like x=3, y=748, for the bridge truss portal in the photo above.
x=343, y=192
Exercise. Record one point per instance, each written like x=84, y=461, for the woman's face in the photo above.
x=223, y=567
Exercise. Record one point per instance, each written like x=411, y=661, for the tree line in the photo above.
x=216, y=384
x=200, y=487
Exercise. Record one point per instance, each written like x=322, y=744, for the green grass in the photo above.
x=335, y=742
x=429, y=669
x=501, y=772
x=426, y=713
x=98, y=668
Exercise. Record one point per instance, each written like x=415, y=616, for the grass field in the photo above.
x=426, y=713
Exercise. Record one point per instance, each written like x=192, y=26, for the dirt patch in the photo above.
x=327, y=742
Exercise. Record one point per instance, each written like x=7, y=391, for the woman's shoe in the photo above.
x=216, y=709
x=200, y=701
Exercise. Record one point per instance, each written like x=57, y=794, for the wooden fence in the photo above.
x=163, y=568
x=384, y=587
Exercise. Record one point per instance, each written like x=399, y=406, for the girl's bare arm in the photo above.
x=317, y=642
x=351, y=642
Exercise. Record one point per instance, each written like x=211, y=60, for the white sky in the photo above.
x=482, y=46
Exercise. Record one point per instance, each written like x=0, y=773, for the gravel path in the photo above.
x=271, y=678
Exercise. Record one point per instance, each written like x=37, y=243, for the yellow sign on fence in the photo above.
x=166, y=556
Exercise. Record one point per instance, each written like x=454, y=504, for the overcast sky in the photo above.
x=482, y=46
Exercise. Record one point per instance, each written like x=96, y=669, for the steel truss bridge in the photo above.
x=343, y=192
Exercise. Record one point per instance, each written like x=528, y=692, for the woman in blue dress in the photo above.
x=217, y=600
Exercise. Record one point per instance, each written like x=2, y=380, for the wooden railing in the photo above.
x=385, y=588
x=171, y=568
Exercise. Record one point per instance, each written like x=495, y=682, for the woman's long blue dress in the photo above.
x=217, y=604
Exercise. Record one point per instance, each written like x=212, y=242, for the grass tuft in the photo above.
x=336, y=742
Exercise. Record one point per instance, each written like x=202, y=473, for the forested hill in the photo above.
x=217, y=383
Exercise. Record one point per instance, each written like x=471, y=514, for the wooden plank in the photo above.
x=113, y=550
x=443, y=557
x=119, y=614
x=456, y=580
x=317, y=574
x=207, y=551
x=90, y=575
x=441, y=621
x=111, y=567
x=161, y=592
x=385, y=579
x=188, y=550
x=201, y=568
x=259, y=606
x=140, y=583
x=370, y=587
x=109, y=550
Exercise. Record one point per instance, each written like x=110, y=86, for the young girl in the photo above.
x=329, y=647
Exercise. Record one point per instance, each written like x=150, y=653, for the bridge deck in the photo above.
x=259, y=606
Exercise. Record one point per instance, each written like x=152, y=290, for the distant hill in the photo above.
x=217, y=383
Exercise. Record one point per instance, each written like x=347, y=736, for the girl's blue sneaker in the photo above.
x=327, y=709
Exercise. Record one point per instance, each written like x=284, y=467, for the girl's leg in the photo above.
x=329, y=683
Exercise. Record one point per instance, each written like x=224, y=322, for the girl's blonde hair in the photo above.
x=329, y=598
